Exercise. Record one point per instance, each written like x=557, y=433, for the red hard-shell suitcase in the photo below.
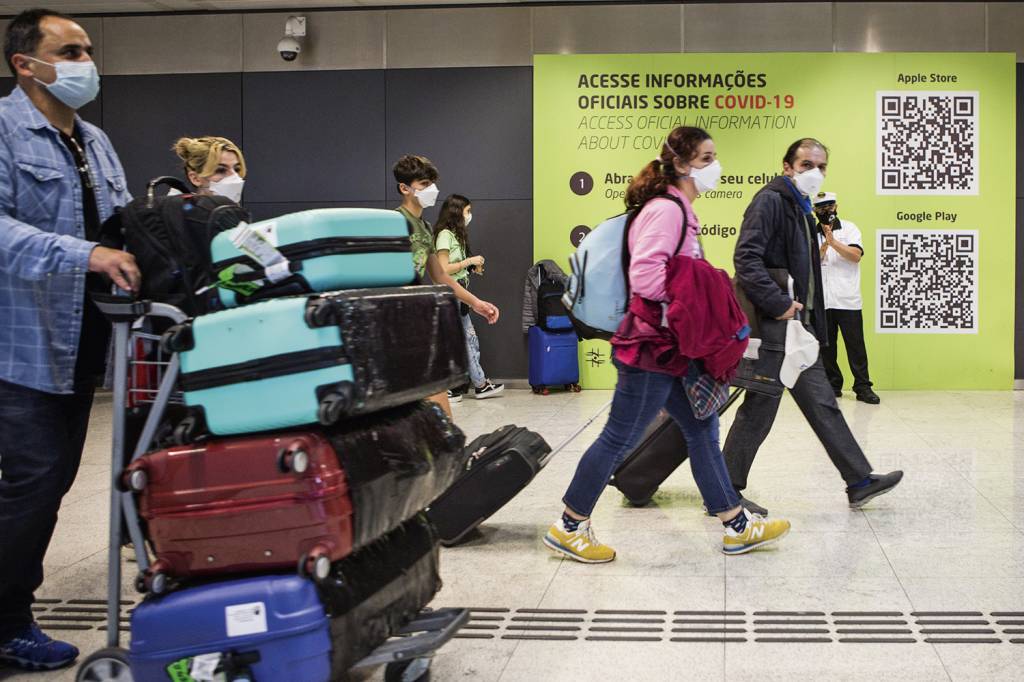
x=243, y=504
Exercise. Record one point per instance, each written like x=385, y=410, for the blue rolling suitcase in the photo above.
x=266, y=628
x=326, y=248
x=554, y=359
x=300, y=360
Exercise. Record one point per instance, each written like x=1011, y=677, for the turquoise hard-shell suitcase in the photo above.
x=327, y=249
x=305, y=359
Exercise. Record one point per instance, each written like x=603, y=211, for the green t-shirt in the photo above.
x=422, y=239
x=447, y=241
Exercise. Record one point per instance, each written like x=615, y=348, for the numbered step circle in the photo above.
x=581, y=183
x=577, y=234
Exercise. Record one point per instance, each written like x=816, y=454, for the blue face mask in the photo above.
x=77, y=83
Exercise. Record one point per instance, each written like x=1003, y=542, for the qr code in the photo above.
x=927, y=282
x=927, y=142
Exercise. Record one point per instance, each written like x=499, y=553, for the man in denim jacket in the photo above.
x=59, y=180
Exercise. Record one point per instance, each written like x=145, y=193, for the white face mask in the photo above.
x=469, y=219
x=809, y=182
x=427, y=196
x=230, y=187
x=706, y=178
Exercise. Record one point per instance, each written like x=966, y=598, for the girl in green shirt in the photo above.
x=451, y=245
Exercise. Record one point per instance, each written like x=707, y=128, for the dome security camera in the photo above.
x=288, y=47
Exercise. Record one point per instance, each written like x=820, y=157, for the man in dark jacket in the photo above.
x=778, y=241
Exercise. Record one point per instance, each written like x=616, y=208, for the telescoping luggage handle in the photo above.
x=546, y=458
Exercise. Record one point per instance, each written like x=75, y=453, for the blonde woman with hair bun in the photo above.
x=213, y=165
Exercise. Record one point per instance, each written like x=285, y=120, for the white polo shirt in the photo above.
x=841, y=277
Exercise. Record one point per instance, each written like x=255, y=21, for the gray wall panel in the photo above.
x=201, y=43
x=263, y=210
x=481, y=36
x=607, y=29
x=334, y=40
x=475, y=124
x=1006, y=28
x=910, y=26
x=144, y=115
x=315, y=135
x=502, y=232
x=758, y=27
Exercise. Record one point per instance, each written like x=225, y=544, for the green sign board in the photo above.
x=921, y=158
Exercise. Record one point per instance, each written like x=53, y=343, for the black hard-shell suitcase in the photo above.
x=397, y=462
x=662, y=449
x=500, y=464
x=370, y=595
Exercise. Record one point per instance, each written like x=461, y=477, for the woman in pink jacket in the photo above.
x=685, y=167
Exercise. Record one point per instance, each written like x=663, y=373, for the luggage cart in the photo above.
x=407, y=656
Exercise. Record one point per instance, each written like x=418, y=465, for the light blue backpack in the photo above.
x=598, y=293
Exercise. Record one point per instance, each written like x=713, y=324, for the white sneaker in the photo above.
x=488, y=390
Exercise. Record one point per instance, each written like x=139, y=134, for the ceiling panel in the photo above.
x=114, y=7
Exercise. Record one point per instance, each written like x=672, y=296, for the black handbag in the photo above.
x=761, y=375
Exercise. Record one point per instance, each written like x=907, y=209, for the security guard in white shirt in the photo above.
x=841, y=251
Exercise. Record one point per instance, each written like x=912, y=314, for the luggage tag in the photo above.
x=258, y=246
x=204, y=667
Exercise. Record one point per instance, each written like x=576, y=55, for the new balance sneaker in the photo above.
x=454, y=396
x=879, y=485
x=580, y=544
x=758, y=533
x=488, y=390
x=34, y=650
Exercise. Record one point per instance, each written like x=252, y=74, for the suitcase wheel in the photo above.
x=413, y=670
x=156, y=580
x=105, y=665
x=334, y=406
x=134, y=479
x=315, y=565
x=319, y=313
x=293, y=459
x=576, y=388
x=178, y=339
x=640, y=503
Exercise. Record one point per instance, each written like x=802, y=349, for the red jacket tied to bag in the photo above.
x=704, y=322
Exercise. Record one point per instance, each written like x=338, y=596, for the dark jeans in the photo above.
x=851, y=322
x=813, y=395
x=41, y=441
x=639, y=396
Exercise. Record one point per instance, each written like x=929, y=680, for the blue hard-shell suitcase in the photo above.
x=554, y=358
x=327, y=249
x=300, y=360
x=271, y=627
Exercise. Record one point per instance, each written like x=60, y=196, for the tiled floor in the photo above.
x=949, y=539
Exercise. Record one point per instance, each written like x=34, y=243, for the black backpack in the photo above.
x=551, y=312
x=170, y=238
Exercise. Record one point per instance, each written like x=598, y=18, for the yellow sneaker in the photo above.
x=759, y=532
x=580, y=544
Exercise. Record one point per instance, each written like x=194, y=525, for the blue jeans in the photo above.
x=476, y=372
x=41, y=441
x=639, y=395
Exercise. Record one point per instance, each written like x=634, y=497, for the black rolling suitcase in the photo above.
x=661, y=450
x=500, y=465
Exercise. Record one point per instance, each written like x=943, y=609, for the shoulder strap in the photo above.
x=629, y=223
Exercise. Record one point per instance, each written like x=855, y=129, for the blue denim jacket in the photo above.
x=43, y=252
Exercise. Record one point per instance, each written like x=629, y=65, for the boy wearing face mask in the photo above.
x=839, y=243
x=778, y=239
x=59, y=180
x=213, y=165
x=416, y=177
